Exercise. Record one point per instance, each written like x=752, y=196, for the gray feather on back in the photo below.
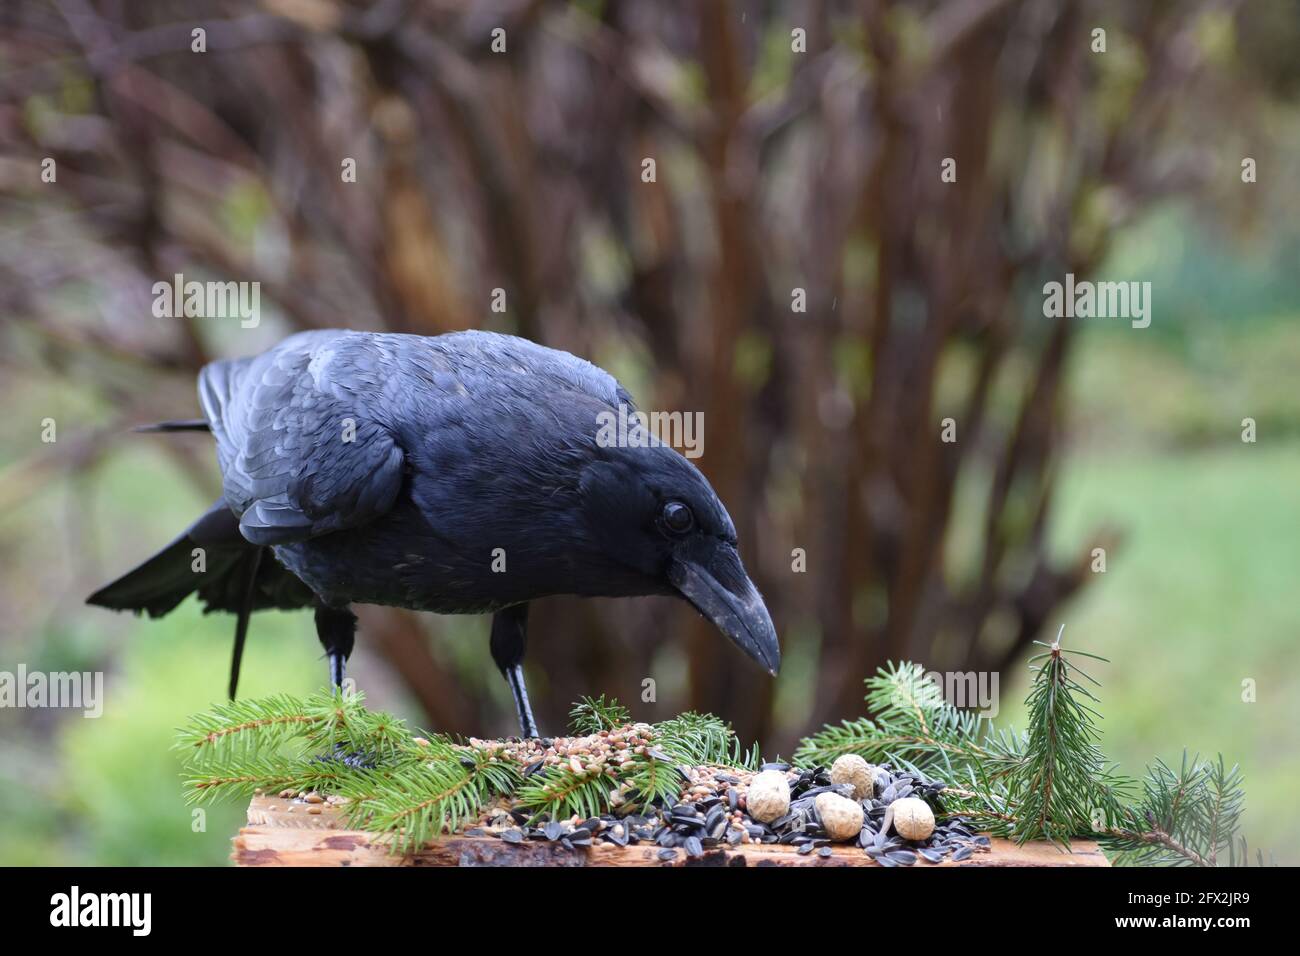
x=310, y=433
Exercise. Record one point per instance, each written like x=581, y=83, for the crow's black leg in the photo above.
x=509, y=629
x=337, y=629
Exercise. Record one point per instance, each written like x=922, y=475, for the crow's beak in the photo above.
x=709, y=574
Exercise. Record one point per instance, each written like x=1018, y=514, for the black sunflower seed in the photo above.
x=513, y=835
x=667, y=854
x=824, y=851
x=961, y=853
x=903, y=857
x=694, y=848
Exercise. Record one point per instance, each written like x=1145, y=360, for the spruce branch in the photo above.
x=419, y=801
x=697, y=739
x=1055, y=783
x=332, y=719
x=1050, y=782
x=911, y=720
x=566, y=792
x=592, y=715
x=1187, y=816
x=653, y=781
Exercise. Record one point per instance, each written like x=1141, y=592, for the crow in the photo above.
x=463, y=473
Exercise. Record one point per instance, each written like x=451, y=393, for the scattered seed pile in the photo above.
x=887, y=813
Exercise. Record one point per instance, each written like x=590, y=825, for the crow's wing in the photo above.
x=301, y=452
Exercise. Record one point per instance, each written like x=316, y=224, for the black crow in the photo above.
x=463, y=473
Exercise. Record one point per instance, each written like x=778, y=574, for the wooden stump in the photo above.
x=283, y=832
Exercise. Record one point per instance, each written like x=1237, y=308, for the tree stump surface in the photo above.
x=291, y=832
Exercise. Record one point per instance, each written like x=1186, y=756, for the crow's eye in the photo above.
x=677, y=517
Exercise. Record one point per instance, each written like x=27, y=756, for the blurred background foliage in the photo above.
x=820, y=170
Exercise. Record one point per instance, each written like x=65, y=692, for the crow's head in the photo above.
x=660, y=528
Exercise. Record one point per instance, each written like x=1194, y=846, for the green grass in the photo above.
x=107, y=791
x=1199, y=600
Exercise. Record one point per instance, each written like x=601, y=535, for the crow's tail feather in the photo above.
x=214, y=560
x=179, y=425
x=245, y=612
x=193, y=560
